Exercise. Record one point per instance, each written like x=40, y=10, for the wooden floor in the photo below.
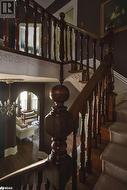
x=27, y=154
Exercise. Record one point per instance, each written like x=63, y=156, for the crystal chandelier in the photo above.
x=7, y=107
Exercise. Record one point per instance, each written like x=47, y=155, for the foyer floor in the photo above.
x=27, y=154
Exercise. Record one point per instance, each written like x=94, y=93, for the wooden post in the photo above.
x=59, y=124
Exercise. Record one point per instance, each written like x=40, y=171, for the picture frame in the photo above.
x=113, y=13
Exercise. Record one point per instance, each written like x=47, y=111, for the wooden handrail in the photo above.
x=40, y=165
x=85, y=32
x=80, y=101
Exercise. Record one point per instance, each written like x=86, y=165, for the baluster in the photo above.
x=70, y=29
x=94, y=54
x=5, y=31
x=81, y=51
x=76, y=52
x=103, y=102
x=42, y=32
x=40, y=177
x=55, y=40
x=89, y=137
x=100, y=114
x=101, y=51
x=62, y=16
x=49, y=36
x=17, y=27
x=35, y=28
x=95, y=119
x=66, y=42
x=47, y=185
x=87, y=55
x=26, y=24
x=82, y=171
x=74, y=160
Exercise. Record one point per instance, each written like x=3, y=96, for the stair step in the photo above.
x=107, y=182
x=121, y=116
x=114, y=161
x=118, y=133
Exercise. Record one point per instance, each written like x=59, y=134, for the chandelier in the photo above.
x=7, y=107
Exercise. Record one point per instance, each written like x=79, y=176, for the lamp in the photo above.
x=7, y=107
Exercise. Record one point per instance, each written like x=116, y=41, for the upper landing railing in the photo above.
x=37, y=33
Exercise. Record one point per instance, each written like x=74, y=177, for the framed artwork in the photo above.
x=113, y=13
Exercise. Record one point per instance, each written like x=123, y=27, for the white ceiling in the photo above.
x=44, y=3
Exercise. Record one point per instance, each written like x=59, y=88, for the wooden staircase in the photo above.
x=64, y=44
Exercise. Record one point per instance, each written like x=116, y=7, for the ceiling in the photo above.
x=44, y=3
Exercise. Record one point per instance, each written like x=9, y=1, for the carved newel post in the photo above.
x=59, y=124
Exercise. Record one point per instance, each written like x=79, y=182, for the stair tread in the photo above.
x=107, y=182
x=116, y=154
x=119, y=127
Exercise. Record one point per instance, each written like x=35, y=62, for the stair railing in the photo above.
x=35, y=32
x=96, y=105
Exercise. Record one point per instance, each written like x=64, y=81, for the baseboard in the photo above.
x=10, y=151
x=120, y=77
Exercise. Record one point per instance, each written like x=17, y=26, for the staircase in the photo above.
x=81, y=55
x=114, y=157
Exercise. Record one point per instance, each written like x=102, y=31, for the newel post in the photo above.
x=111, y=114
x=59, y=124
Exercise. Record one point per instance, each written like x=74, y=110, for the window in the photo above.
x=23, y=101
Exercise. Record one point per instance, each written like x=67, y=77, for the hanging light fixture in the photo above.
x=7, y=107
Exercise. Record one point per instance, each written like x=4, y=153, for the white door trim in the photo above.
x=72, y=4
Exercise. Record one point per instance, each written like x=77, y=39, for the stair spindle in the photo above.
x=42, y=32
x=74, y=160
x=5, y=31
x=35, y=29
x=55, y=24
x=87, y=55
x=49, y=36
x=26, y=25
x=70, y=29
x=94, y=54
x=95, y=118
x=82, y=171
x=66, y=42
x=89, y=137
x=76, y=48
x=81, y=51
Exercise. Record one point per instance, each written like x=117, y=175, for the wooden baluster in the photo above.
x=81, y=51
x=101, y=51
x=89, y=138
x=26, y=25
x=17, y=27
x=47, y=185
x=100, y=115
x=42, y=32
x=82, y=171
x=66, y=42
x=94, y=54
x=95, y=119
x=103, y=102
x=40, y=177
x=5, y=31
x=70, y=29
x=35, y=28
x=87, y=55
x=49, y=36
x=62, y=48
x=55, y=24
x=74, y=160
x=76, y=52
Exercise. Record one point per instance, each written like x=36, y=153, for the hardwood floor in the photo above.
x=26, y=155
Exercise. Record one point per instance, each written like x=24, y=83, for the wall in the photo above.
x=8, y=124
